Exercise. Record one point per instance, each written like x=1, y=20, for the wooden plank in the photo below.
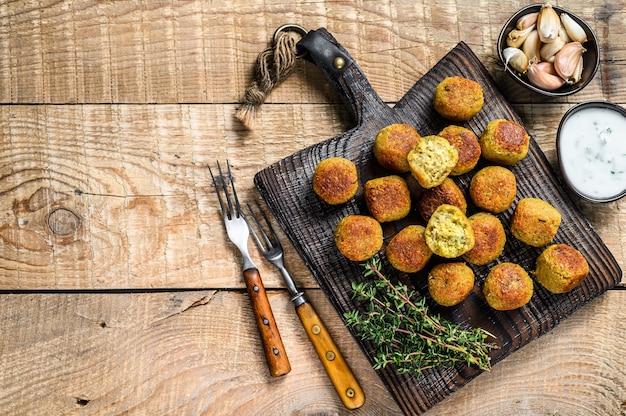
x=91, y=51
x=198, y=353
x=166, y=353
x=131, y=186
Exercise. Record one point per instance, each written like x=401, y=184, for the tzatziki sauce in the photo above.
x=592, y=151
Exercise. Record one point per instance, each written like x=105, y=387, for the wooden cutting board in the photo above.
x=309, y=222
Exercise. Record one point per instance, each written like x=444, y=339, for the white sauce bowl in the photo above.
x=591, y=148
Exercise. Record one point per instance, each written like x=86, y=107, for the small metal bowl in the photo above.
x=591, y=57
x=580, y=161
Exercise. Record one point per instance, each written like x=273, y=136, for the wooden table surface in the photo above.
x=120, y=291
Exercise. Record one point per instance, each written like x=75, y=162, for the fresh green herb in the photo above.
x=406, y=335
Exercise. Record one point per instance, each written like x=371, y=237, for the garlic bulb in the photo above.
x=516, y=36
x=542, y=79
x=566, y=60
x=548, y=23
x=526, y=21
x=516, y=59
x=573, y=29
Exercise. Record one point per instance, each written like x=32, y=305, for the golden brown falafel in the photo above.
x=490, y=239
x=560, y=268
x=446, y=193
x=504, y=142
x=450, y=283
x=535, y=222
x=507, y=287
x=335, y=180
x=493, y=188
x=387, y=198
x=466, y=144
x=392, y=145
x=407, y=251
x=458, y=99
x=358, y=237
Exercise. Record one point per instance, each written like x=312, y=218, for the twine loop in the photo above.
x=273, y=65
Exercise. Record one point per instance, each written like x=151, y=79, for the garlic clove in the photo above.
x=563, y=34
x=516, y=59
x=526, y=21
x=517, y=37
x=542, y=79
x=575, y=31
x=547, y=67
x=566, y=60
x=548, y=23
x=532, y=46
x=578, y=73
x=548, y=51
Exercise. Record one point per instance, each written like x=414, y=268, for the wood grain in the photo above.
x=110, y=112
x=195, y=353
x=187, y=353
x=169, y=51
x=134, y=182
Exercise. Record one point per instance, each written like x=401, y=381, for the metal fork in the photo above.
x=238, y=232
x=340, y=374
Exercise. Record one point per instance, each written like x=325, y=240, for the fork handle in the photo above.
x=275, y=353
x=337, y=368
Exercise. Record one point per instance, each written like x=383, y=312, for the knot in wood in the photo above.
x=63, y=222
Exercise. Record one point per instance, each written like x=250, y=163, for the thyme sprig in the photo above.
x=406, y=334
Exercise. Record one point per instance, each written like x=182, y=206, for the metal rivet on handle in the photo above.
x=339, y=62
x=266, y=321
x=350, y=392
x=330, y=355
x=255, y=288
x=316, y=329
x=275, y=351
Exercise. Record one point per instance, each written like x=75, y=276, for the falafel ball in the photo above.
x=507, y=287
x=432, y=160
x=458, y=99
x=490, y=239
x=466, y=144
x=387, y=198
x=560, y=268
x=335, y=180
x=407, y=251
x=504, y=142
x=358, y=237
x=448, y=232
x=535, y=222
x=392, y=145
x=493, y=188
x=446, y=193
x=450, y=283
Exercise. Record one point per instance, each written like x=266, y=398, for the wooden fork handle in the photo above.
x=275, y=353
x=337, y=368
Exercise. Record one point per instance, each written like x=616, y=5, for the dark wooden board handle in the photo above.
x=337, y=368
x=343, y=74
x=275, y=353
